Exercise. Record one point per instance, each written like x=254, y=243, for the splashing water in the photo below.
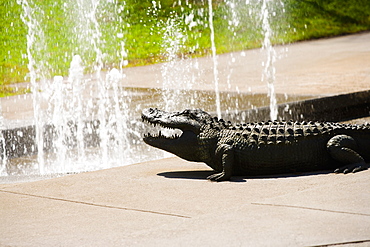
x=214, y=58
x=177, y=72
x=85, y=121
x=260, y=16
x=173, y=42
x=37, y=68
x=269, y=64
x=3, y=155
x=67, y=117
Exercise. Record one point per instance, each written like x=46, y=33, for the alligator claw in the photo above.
x=218, y=177
x=351, y=168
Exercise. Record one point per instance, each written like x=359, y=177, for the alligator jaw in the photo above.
x=187, y=120
x=159, y=118
x=161, y=134
x=178, y=144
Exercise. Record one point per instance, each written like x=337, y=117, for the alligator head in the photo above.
x=188, y=121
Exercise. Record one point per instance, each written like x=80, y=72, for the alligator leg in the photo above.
x=342, y=148
x=226, y=154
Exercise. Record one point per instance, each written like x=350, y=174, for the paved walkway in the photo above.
x=320, y=67
x=169, y=203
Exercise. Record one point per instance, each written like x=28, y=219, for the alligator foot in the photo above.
x=218, y=177
x=343, y=149
x=352, y=168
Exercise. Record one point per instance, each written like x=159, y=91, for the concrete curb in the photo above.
x=336, y=108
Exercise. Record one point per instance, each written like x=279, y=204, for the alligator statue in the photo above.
x=263, y=148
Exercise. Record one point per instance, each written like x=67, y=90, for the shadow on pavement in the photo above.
x=203, y=174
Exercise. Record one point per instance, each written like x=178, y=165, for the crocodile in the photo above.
x=260, y=148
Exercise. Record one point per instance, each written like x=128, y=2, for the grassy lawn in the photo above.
x=146, y=31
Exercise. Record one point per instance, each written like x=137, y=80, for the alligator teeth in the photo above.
x=164, y=133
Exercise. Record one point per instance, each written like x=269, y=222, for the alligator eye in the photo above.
x=188, y=113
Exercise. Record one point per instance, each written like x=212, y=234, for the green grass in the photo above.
x=11, y=91
x=12, y=43
x=326, y=18
x=144, y=27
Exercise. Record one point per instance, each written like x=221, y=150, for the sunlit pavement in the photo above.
x=318, y=67
x=169, y=202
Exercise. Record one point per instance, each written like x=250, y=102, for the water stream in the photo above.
x=214, y=58
x=269, y=71
x=88, y=120
x=37, y=68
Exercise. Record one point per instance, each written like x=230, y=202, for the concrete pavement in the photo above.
x=319, y=67
x=168, y=202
